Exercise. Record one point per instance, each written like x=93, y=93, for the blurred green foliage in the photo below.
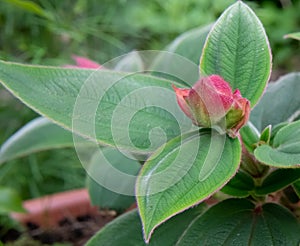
x=280, y=18
x=49, y=32
x=43, y=173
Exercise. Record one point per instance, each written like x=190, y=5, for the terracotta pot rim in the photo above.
x=47, y=211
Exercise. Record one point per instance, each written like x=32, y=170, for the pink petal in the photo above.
x=244, y=105
x=83, y=62
x=216, y=95
x=181, y=94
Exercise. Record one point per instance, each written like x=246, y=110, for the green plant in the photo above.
x=218, y=181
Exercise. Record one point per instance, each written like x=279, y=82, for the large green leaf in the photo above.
x=238, y=222
x=280, y=102
x=131, y=62
x=278, y=180
x=127, y=230
x=183, y=173
x=190, y=43
x=285, y=151
x=181, y=59
x=101, y=180
x=231, y=222
x=133, y=111
x=39, y=134
x=237, y=48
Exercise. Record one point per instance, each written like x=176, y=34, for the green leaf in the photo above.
x=241, y=185
x=131, y=62
x=37, y=135
x=183, y=173
x=231, y=222
x=296, y=187
x=181, y=59
x=30, y=6
x=273, y=157
x=295, y=35
x=287, y=138
x=278, y=180
x=190, y=43
x=237, y=49
x=285, y=151
x=101, y=179
x=126, y=230
x=275, y=129
x=281, y=102
x=10, y=201
x=266, y=135
x=134, y=111
x=239, y=222
x=250, y=136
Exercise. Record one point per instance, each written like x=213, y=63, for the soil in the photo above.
x=69, y=231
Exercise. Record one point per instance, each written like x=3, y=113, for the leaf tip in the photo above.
x=147, y=233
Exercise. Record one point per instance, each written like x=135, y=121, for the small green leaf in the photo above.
x=231, y=222
x=287, y=138
x=278, y=180
x=99, y=192
x=133, y=111
x=285, y=151
x=183, y=173
x=240, y=185
x=38, y=135
x=250, y=136
x=237, y=49
x=275, y=129
x=280, y=102
x=273, y=157
x=266, y=135
x=10, y=201
x=295, y=35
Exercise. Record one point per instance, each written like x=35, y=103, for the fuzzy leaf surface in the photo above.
x=237, y=49
x=184, y=172
x=280, y=102
x=112, y=108
x=285, y=150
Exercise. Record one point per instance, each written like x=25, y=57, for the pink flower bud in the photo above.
x=85, y=62
x=82, y=62
x=210, y=102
